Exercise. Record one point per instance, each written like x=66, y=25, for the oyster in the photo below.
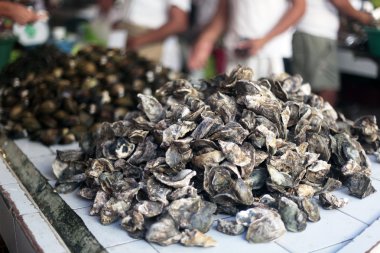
x=151, y=107
x=360, y=185
x=264, y=225
x=196, y=238
x=61, y=97
x=367, y=128
x=261, y=151
x=223, y=105
x=187, y=191
x=157, y=191
x=330, y=201
x=100, y=200
x=192, y=213
x=164, y=232
x=182, y=179
x=310, y=207
x=294, y=218
x=230, y=227
x=134, y=224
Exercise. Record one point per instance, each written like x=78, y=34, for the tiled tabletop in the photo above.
x=354, y=228
x=19, y=215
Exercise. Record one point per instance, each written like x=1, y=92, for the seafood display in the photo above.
x=58, y=96
x=258, y=150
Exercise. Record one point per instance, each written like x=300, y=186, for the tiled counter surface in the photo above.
x=354, y=228
x=22, y=225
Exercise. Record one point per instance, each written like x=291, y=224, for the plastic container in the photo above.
x=33, y=34
x=6, y=46
x=373, y=41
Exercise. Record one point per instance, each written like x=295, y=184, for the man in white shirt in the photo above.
x=102, y=16
x=258, y=35
x=151, y=22
x=315, y=47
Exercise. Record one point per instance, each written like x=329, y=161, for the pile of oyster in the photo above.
x=53, y=97
x=261, y=151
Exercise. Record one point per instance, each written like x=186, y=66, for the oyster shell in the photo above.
x=360, y=186
x=63, y=96
x=367, y=128
x=164, y=232
x=310, y=207
x=264, y=225
x=182, y=179
x=206, y=147
x=330, y=201
x=192, y=213
x=157, y=191
x=151, y=107
x=134, y=223
x=101, y=198
x=294, y=218
x=230, y=227
x=196, y=238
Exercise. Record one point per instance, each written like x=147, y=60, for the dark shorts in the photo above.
x=315, y=59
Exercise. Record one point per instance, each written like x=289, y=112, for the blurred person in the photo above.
x=202, y=13
x=18, y=13
x=258, y=36
x=315, y=45
x=152, y=26
x=102, y=16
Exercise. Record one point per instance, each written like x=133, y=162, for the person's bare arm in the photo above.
x=177, y=23
x=290, y=18
x=345, y=7
x=17, y=12
x=205, y=43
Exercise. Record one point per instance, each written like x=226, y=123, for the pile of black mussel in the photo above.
x=53, y=97
x=263, y=151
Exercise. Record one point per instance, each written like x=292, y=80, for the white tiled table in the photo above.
x=354, y=228
x=22, y=225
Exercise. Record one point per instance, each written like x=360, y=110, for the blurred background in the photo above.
x=73, y=23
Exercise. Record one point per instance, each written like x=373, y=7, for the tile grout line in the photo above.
x=354, y=217
x=27, y=195
x=120, y=244
x=154, y=248
x=349, y=240
x=281, y=246
x=17, y=217
x=365, y=235
x=37, y=210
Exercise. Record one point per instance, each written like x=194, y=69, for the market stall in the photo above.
x=106, y=149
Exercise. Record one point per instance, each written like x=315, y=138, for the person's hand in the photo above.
x=22, y=15
x=134, y=43
x=252, y=46
x=199, y=54
x=366, y=18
